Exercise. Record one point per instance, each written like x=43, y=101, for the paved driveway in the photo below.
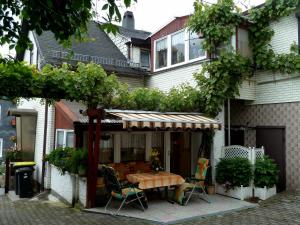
x=282, y=209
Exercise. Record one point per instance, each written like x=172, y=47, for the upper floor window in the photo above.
x=195, y=46
x=64, y=138
x=177, y=48
x=161, y=53
x=145, y=59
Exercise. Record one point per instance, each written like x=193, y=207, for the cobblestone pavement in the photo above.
x=282, y=209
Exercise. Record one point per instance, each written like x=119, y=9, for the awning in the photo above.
x=167, y=120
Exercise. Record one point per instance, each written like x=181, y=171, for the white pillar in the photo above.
x=167, y=143
x=218, y=143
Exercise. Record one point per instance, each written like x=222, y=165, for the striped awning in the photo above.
x=167, y=120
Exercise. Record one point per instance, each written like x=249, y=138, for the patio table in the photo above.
x=155, y=180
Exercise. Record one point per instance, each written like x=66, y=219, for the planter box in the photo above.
x=264, y=193
x=238, y=192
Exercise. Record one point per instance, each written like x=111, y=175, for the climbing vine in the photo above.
x=220, y=78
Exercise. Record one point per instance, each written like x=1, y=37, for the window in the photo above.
x=177, y=48
x=145, y=58
x=106, y=154
x=161, y=53
x=1, y=147
x=133, y=147
x=64, y=138
x=195, y=46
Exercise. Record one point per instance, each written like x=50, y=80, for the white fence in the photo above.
x=234, y=151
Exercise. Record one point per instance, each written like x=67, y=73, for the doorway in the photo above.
x=180, y=159
x=273, y=140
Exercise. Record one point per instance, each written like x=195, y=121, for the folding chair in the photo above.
x=193, y=185
x=126, y=194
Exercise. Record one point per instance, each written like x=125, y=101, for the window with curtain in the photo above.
x=177, y=55
x=161, y=53
x=195, y=46
x=106, y=154
x=133, y=147
x=64, y=138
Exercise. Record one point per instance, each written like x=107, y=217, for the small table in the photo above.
x=155, y=180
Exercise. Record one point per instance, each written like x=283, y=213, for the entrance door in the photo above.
x=180, y=153
x=273, y=140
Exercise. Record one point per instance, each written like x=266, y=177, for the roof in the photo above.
x=99, y=48
x=137, y=34
x=147, y=119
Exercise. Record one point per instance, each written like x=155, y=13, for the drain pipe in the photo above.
x=228, y=119
x=44, y=146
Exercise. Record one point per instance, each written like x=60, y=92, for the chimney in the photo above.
x=128, y=20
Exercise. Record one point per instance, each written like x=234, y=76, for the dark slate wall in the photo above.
x=6, y=130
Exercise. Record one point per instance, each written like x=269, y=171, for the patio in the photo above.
x=161, y=211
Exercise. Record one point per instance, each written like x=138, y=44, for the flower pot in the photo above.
x=264, y=193
x=238, y=192
x=211, y=190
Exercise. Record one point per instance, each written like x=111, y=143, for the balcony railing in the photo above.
x=95, y=59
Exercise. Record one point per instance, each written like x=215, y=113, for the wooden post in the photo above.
x=93, y=154
x=7, y=175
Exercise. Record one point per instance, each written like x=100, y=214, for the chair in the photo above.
x=126, y=193
x=193, y=185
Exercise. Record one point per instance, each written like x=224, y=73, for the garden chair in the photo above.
x=193, y=185
x=125, y=193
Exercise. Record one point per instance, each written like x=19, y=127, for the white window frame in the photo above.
x=1, y=147
x=65, y=136
x=169, y=46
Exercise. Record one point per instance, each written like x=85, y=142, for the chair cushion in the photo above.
x=126, y=192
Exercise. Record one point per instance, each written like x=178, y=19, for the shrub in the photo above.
x=265, y=173
x=234, y=172
x=68, y=159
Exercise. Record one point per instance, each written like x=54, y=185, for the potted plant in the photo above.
x=155, y=162
x=265, y=178
x=233, y=177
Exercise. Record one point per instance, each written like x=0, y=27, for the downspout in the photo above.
x=228, y=115
x=44, y=146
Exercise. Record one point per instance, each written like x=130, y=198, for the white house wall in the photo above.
x=165, y=80
x=276, y=87
x=35, y=54
x=136, y=55
x=286, y=32
x=40, y=108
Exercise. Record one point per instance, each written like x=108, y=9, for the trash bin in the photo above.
x=24, y=182
x=19, y=165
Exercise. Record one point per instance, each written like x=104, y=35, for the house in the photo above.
x=270, y=117
x=175, y=54
x=7, y=128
